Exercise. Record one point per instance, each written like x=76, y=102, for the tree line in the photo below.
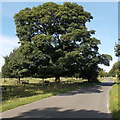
x=55, y=42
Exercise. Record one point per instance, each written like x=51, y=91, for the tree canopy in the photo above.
x=16, y=65
x=117, y=53
x=115, y=69
x=55, y=42
x=117, y=48
x=102, y=73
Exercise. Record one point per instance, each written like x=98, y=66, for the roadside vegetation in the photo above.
x=21, y=94
x=114, y=100
x=115, y=71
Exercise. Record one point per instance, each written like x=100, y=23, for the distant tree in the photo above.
x=55, y=39
x=102, y=73
x=6, y=71
x=16, y=65
x=115, y=69
x=0, y=74
x=117, y=53
x=117, y=50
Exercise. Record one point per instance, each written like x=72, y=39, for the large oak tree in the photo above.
x=55, y=39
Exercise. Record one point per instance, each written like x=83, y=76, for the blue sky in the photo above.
x=105, y=23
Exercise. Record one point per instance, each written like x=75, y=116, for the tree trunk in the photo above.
x=57, y=79
x=43, y=79
x=89, y=80
x=4, y=79
x=19, y=79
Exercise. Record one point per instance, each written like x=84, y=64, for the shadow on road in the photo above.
x=56, y=112
x=86, y=90
x=89, y=89
x=107, y=83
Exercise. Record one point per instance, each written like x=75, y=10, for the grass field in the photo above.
x=20, y=94
x=114, y=100
x=102, y=79
x=11, y=81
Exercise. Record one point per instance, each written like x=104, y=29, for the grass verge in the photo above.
x=114, y=101
x=14, y=102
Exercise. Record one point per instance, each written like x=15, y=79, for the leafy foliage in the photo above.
x=102, y=73
x=115, y=70
x=16, y=65
x=117, y=49
x=55, y=41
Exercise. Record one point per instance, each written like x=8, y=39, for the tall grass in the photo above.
x=114, y=101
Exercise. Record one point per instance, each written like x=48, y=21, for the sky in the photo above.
x=105, y=23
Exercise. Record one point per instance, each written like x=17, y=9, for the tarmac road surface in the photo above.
x=90, y=102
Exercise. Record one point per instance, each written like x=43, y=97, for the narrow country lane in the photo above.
x=90, y=102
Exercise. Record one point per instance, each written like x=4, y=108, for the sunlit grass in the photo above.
x=115, y=79
x=102, y=79
x=11, y=81
x=114, y=101
x=15, y=102
x=19, y=94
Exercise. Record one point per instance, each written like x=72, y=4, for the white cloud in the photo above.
x=7, y=40
x=7, y=44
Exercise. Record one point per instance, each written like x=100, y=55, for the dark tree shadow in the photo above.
x=13, y=91
x=88, y=89
x=85, y=90
x=107, y=83
x=56, y=112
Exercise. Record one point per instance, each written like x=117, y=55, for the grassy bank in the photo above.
x=114, y=101
x=32, y=94
x=17, y=95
